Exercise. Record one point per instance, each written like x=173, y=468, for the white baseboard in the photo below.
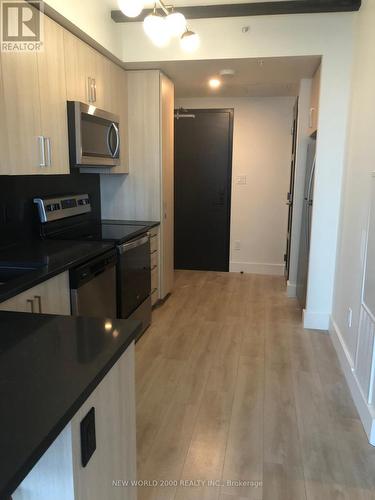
x=366, y=412
x=315, y=320
x=291, y=289
x=257, y=268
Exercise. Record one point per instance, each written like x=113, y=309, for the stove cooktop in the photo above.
x=118, y=233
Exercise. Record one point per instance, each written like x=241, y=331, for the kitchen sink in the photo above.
x=9, y=273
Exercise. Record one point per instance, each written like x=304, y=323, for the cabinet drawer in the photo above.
x=155, y=279
x=154, y=259
x=154, y=242
x=154, y=296
x=50, y=297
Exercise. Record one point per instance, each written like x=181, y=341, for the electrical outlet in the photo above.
x=237, y=245
x=350, y=317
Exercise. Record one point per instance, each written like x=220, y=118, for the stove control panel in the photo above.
x=51, y=209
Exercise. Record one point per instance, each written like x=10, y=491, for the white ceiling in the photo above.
x=277, y=76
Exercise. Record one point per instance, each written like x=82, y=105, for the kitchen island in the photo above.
x=67, y=415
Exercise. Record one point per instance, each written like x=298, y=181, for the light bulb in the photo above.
x=176, y=23
x=190, y=41
x=131, y=8
x=214, y=83
x=156, y=29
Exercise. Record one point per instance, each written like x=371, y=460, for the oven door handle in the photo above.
x=132, y=244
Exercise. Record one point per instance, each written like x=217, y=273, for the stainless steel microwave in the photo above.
x=94, y=136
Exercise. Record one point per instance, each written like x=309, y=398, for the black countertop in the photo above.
x=149, y=224
x=50, y=258
x=49, y=365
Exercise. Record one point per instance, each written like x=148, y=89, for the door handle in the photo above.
x=39, y=299
x=31, y=302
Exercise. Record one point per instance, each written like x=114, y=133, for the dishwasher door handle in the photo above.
x=133, y=244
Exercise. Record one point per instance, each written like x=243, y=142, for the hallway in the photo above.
x=230, y=388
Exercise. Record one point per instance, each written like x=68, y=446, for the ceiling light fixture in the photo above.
x=161, y=27
x=176, y=23
x=214, y=83
x=131, y=8
x=154, y=26
x=189, y=41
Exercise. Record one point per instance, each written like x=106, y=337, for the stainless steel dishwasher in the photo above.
x=93, y=287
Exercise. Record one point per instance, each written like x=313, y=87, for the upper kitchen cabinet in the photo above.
x=87, y=73
x=34, y=122
x=52, y=88
x=314, y=107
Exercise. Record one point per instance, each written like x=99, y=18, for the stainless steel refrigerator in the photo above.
x=304, y=247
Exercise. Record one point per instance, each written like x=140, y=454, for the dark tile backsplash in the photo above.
x=18, y=215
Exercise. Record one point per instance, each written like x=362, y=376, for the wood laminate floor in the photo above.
x=236, y=401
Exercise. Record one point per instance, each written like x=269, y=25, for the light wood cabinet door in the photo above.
x=50, y=297
x=314, y=107
x=4, y=153
x=53, y=97
x=22, y=121
x=80, y=64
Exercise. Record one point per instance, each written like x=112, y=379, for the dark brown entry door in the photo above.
x=203, y=169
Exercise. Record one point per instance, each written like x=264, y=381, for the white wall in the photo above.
x=94, y=18
x=354, y=212
x=329, y=35
x=262, y=149
x=304, y=103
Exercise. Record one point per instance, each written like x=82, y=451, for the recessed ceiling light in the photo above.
x=214, y=83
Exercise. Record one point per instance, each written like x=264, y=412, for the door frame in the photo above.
x=230, y=111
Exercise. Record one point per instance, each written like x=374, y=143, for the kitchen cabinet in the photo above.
x=88, y=74
x=34, y=104
x=52, y=89
x=50, y=297
x=60, y=475
x=314, y=106
x=147, y=193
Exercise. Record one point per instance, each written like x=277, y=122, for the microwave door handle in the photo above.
x=109, y=139
x=115, y=127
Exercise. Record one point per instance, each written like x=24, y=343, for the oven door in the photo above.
x=134, y=275
x=94, y=136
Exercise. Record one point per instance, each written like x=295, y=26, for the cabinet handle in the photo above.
x=311, y=117
x=94, y=89
x=89, y=89
x=42, y=151
x=31, y=302
x=39, y=299
x=48, y=144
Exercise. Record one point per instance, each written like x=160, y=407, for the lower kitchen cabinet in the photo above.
x=50, y=297
x=60, y=475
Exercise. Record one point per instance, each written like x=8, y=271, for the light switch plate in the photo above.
x=241, y=179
